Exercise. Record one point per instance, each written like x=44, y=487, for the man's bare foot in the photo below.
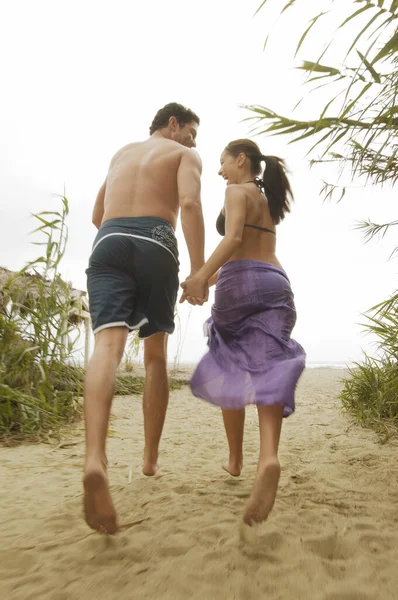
x=264, y=491
x=150, y=466
x=99, y=511
x=232, y=467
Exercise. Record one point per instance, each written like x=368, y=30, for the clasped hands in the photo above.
x=195, y=290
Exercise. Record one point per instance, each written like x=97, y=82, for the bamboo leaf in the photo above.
x=325, y=76
x=311, y=66
x=342, y=195
x=47, y=223
x=298, y=104
x=288, y=5
x=368, y=24
x=337, y=139
x=389, y=20
x=327, y=106
x=325, y=137
x=51, y=212
x=353, y=102
x=306, y=32
x=260, y=7
x=42, y=228
x=390, y=47
x=305, y=135
x=355, y=14
x=369, y=67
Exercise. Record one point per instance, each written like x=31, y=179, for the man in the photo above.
x=132, y=282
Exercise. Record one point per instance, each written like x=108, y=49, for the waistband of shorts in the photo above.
x=135, y=222
x=150, y=229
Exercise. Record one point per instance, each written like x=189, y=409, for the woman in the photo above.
x=251, y=358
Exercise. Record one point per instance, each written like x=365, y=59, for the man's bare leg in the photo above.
x=265, y=486
x=99, y=388
x=156, y=398
x=234, y=422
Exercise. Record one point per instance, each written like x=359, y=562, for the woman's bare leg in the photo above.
x=265, y=486
x=234, y=421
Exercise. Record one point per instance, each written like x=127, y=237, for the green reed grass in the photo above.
x=371, y=391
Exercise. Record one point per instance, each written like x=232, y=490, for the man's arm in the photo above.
x=98, y=212
x=188, y=183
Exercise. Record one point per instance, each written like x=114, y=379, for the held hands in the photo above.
x=195, y=290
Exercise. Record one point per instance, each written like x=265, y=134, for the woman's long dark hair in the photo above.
x=274, y=182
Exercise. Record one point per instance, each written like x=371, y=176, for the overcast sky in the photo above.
x=81, y=78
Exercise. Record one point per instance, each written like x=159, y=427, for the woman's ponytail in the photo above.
x=274, y=182
x=276, y=187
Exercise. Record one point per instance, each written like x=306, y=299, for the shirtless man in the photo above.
x=132, y=281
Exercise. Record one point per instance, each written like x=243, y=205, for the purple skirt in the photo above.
x=252, y=358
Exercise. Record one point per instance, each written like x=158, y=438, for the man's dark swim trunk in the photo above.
x=132, y=277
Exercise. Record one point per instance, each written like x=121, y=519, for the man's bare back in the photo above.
x=142, y=180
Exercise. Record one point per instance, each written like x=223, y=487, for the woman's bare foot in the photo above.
x=150, y=466
x=232, y=467
x=264, y=491
x=99, y=511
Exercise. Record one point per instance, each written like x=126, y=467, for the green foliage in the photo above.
x=358, y=126
x=131, y=353
x=371, y=393
x=38, y=387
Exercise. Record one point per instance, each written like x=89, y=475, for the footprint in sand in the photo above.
x=299, y=479
x=216, y=532
x=177, y=545
x=256, y=543
x=364, y=527
x=338, y=570
x=331, y=547
x=183, y=489
x=375, y=543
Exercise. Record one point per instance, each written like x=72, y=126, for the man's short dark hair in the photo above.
x=181, y=113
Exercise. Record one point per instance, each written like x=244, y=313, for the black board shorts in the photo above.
x=132, y=277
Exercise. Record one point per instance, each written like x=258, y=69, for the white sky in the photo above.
x=82, y=78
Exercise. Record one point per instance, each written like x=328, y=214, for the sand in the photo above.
x=333, y=534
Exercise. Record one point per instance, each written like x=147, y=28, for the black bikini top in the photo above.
x=220, y=223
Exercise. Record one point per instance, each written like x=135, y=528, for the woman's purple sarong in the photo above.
x=251, y=357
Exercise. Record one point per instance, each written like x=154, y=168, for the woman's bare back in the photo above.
x=257, y=244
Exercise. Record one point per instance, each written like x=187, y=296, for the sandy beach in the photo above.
x=333, y=534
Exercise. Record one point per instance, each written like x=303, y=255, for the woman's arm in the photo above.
x=213, y=279
x=235, y=216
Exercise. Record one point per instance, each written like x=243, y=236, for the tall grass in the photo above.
x=39, y=384
x=371, y=392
